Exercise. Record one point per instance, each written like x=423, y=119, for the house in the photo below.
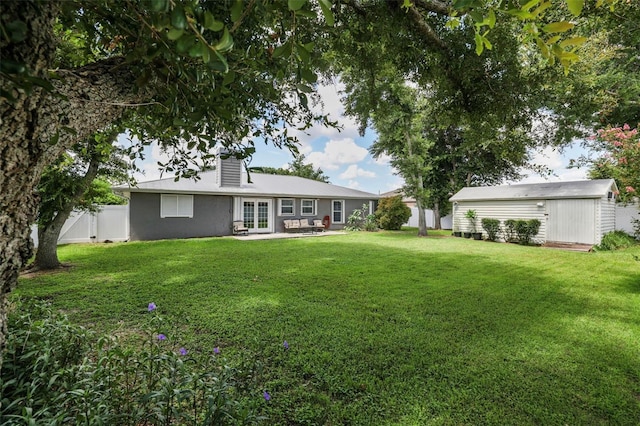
x=569, y=212
x=445, y=221
x=166, y=208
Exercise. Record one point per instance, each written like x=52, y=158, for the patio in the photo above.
x=281, y=235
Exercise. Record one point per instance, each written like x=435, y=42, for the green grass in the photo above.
x=385, y=328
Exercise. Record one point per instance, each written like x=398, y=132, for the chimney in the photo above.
x=228, y=170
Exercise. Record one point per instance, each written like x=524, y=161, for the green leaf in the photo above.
x=228, y=78
x=574, y=41
x=558, y=27
x=492, y=18
x=178, y=18
x=521, y=14
x=210, y=22
x=325, y=6
x=303, y=53
x=226, y=42
x=529, y=5
x=487, y=43
x=206, y=54
x=159, y=5
x=185, y=42
x=221, y=64
x=308, y=75
x=296, y=4
x=476, y=16
x=307, y=13
x=462, y=4
x=304, y=88
x=283, y=50
x=479, y=44
x=575, y=6
x=236, y=10
x=175, y=33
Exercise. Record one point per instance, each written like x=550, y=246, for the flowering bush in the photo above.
x=58, y=373
x=621, y=159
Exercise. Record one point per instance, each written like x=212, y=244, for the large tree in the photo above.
x=297, y=167
x=198, y=73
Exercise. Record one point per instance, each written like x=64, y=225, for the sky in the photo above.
x=344, y=157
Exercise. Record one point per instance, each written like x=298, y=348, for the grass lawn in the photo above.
x=384, y=328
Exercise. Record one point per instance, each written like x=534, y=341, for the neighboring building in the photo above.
x=186, y=208
x=569, y=212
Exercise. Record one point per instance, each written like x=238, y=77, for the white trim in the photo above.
x=174, y=205
x=333, y=212
x=314, y=205
x=293, y=207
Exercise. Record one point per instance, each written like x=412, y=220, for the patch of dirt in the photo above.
x=34, y=272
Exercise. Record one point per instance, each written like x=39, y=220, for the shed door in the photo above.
x=571, y=221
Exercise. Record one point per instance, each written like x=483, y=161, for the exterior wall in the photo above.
x=606, y=215
x=502, y=210
x=323, y=209
x=212, y=216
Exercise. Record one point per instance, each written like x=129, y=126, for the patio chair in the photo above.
x=318, y=226
x=306, y=226
x=239, y=228
x=291, y=225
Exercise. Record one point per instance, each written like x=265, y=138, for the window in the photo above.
x=285, y=206
x=337, y=211
x=176, y=205
x=308, y=208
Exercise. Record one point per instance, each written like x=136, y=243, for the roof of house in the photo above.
x=546, y=190
x=263, y=185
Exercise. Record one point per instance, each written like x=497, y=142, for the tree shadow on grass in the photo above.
x=394, y=333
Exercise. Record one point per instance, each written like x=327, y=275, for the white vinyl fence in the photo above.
x=625, y=215
x=446, y=221
x=111, y=223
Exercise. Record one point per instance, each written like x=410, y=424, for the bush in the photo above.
x=492, y=227
x=58, y=373
x=510, y=231
x=359, y=220
x=392, y=213
x=616, y=240
x=526, y=230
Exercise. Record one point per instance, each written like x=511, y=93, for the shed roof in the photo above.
x=263, y=185
x=546, y=190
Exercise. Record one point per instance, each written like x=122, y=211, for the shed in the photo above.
x=570, y=212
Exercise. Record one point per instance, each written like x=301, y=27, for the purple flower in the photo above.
x=286, y=344
x=266, y=396
x=152, y=307
x=216, y=350
x=162, y=337
x=183, y=351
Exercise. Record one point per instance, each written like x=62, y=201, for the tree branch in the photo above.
x=439, y=7
x=426, y=29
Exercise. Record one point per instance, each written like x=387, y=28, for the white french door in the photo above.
x=257, y=214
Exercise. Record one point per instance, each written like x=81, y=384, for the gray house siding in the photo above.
x=323, y=208
x=212, y=216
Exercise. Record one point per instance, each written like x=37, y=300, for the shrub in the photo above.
x=510, y=231
x=392, y=213
x=58, y=373
x=616, y=240
x=359, y=220
x=526, y=230
x=492, y=227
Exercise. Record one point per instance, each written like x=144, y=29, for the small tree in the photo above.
x=472, y=217
x=392, y=213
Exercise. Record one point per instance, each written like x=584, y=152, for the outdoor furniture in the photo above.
x=239, y=228
x=306, y=226
x=291, y=225
x=318, y=226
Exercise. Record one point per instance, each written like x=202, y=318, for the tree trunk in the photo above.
x=48, y=234
x=92, y=98
x=422, y=220
x=436, y=216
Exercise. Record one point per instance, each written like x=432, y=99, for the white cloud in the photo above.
x=337, y=153
x=353, y=184
x=353, y=171
x=549, y=157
